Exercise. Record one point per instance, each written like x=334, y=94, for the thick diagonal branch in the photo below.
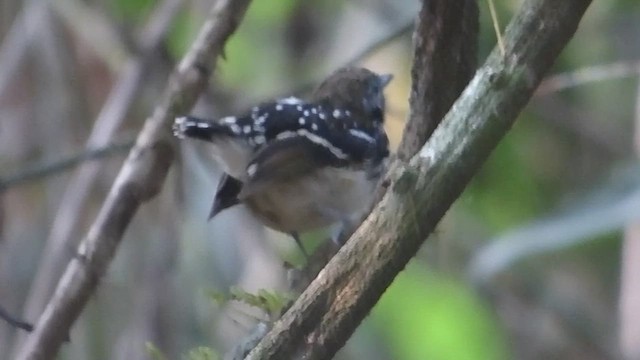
x=421, y=191
x=140, y=178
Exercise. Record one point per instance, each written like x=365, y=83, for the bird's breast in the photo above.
x=322, y=198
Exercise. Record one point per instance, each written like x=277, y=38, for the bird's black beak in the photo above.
x=384, y=80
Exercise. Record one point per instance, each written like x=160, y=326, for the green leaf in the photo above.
x=217, y=297
x=271, y=302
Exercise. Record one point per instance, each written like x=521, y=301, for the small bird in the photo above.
x=302, y=165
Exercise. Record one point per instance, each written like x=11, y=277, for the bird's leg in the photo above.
x=296, y=237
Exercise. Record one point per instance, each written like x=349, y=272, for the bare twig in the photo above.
x=327, y=313
x=13, y=321
x=140, y=179
x=496, y=25
x=588, y=74
x=52, y=168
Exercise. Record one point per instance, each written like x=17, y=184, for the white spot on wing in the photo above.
x=229, y=120
x=260, y=139
x=279, y=107
x=337, y=114
x=314, y=127
x=251, y=170
x=235, y=128
x=301, y=121
x=246, y=129
x=292, y=100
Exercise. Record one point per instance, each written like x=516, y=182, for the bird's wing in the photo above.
x=286, y=159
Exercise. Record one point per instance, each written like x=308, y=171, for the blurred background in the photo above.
x=539, y=258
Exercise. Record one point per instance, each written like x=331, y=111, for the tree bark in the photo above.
x=444, y=60
x=420, y=191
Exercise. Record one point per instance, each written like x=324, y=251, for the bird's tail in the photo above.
x=203, y=129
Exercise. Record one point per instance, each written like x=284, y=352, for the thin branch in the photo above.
x=13, y=321
x=496, y=25
x=588, y=74
x=139, y=180
x=327, y=313
x=40, y=171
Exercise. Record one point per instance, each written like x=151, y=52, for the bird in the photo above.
x=302, y=164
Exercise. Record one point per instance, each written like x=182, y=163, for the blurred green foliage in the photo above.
x=427, y=315
x=270, y=302
x=131, y=10
x=506, y=191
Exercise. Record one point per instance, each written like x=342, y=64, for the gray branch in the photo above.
x=140, y=179
x=421, y=190
x=40, y=171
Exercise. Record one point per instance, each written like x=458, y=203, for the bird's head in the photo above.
x=356, y=89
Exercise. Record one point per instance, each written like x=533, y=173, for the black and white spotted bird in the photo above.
x=301, y=165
